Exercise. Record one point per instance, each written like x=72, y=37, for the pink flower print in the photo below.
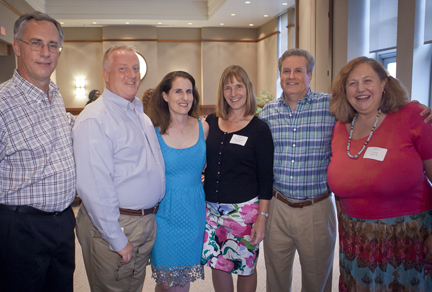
x=224, y=264
x=238, y=230
x=206, y=236
x=221, y=233
x=249, y=213
x=250, y=261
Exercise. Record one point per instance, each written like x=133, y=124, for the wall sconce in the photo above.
x=80, y=87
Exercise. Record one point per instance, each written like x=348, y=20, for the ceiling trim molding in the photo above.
x=269, y=35
x=10, y=7
x=173, y=41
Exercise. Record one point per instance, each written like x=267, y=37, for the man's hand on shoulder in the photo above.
x=126, y=253
x=426, y=111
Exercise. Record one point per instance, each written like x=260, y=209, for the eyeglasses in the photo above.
x=37, y=45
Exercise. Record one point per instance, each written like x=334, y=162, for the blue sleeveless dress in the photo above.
x=176, y=254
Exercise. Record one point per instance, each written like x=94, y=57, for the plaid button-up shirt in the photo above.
x=37, y=167
x=302, y=141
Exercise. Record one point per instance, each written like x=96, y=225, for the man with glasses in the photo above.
x=37, y=169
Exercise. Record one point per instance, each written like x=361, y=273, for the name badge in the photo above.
x=375, y=153
x=239, y=140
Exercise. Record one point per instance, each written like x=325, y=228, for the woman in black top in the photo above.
x=238, y=183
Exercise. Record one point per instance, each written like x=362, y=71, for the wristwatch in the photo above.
x=263, y=213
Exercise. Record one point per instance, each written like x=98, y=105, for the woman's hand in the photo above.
x=258, y=230
x=427, y=248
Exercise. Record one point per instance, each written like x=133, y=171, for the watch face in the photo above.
x=143, y=65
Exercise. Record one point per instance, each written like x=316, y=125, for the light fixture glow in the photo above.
x=94, y=22
x=80, y=87
x=284, y=4
x=247, y=2
x=250, y=24
x=265, y=15
x=159, y=22
x=190, y=23
x=127, y=22
x=233, y=14
x=222, y=23
x=62, y=22
x=142, y=64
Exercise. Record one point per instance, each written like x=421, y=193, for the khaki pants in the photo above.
x=312, y=232
x=104, y=271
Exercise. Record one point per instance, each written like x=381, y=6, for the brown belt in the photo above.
x=306, y=203
x=139, y=212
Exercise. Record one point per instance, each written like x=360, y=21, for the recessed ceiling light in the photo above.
x=222, y=23
x=265, y=15
x=232, y=14
x=190, y=23
x=284, y=3
x=62, y=22
x=159, y=22
x=94, y=22
x=127, y=22
x=250, y=24
x=247, y=2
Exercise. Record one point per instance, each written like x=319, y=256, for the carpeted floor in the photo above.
x=81, y=283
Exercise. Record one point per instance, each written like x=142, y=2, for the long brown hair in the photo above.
x=158, y=110
x=228, y=75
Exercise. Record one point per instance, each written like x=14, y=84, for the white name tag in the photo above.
x=375, y=153
x=239, y=140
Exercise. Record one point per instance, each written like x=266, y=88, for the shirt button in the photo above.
x=293, y=145
x=221, y=142
x=218, y=172
x=294, y=129
x=217, y=181
x=217, y=191
x=218, y=162
x=290, y=192
x=220, y=152
x=291, y=177
x=292, y=161
x=290, y=115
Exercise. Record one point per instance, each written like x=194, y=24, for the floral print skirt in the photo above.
x=385, y=254
x=227, y=235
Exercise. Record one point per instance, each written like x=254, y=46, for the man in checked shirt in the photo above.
x=301, y=214
x=37, y=169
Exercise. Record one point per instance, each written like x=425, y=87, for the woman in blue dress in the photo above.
x=174, y=111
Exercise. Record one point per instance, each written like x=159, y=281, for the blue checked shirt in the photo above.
x=37, y=166
x=302, y=141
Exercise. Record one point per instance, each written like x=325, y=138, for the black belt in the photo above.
x=305, y=203
x=30, y=210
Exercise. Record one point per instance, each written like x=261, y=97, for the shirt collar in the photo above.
x=31, y=91
x=122, y=102
x=307, y=97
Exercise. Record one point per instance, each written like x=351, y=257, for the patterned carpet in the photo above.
x=81, y=283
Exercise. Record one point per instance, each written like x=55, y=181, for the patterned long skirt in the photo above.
x=385, y=254
x=227, y=235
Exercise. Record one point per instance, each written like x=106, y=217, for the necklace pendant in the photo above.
x=356, y=156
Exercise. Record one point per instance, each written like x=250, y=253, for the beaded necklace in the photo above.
x=368, y=139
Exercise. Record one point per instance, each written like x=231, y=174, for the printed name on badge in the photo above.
x=238, y=139
x=375, y=153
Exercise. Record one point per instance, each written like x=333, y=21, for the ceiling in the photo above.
x=169, y=13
